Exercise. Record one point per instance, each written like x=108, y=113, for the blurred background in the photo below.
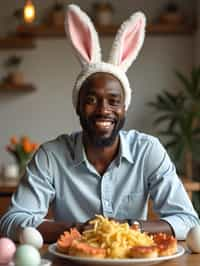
x=38, y=67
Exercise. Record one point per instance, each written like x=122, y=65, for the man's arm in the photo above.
x=51, y=230
x=30, y=203
x=170, y=200
x=156, y=227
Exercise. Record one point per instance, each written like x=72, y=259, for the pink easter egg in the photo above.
x=7, y=250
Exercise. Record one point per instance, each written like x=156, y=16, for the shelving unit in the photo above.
x=16, y=42
x=41, y=31
x=8, y=87
x=167, y=29
x=48, y=31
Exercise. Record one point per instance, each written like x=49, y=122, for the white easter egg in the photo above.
x=31, y=236
x=193, y=239
x=27, y=255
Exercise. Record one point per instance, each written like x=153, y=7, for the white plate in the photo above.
x=115, y=262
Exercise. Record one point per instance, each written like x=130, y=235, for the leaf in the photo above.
x=186, y=83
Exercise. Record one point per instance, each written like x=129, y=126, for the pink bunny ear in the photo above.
x=128, y=41
x=83, y=35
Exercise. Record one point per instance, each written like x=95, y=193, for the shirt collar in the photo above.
x=124, y=151
x=79, y=150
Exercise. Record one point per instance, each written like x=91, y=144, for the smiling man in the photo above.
x=103, y=169
x=102, y=114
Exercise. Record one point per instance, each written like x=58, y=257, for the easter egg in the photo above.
x=31, y=236
x=27, y=255
x=193, y=239
x=7, y=250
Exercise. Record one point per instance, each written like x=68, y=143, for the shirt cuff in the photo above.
x=179, y=227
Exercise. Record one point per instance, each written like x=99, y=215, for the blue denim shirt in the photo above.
x=60, y=174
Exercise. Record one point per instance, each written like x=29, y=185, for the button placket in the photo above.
x=106, y=195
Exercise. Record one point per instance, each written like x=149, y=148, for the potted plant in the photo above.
x=22, y=149
x=179, y=115
x=57, y=14
x=15, y=76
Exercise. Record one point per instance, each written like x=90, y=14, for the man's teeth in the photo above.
x=103, y=123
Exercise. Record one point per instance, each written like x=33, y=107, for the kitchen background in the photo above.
x=52, y=68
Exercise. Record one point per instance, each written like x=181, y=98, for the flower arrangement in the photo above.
x=22, y=149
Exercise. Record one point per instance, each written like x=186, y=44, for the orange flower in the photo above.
x=24, y=139
x=27, y=146
x=13, y=140
x=34, y=146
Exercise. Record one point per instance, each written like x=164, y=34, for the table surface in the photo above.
x=187, y=259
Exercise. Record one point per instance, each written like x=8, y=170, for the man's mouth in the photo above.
x=104, y=124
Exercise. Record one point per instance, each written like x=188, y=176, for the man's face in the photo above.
x=101, y=109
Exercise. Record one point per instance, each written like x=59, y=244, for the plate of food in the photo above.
x=111, y=243
x=115, y=262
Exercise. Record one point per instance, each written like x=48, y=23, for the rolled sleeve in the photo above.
x=30, y=203
x=170, y=199
x=181, y=224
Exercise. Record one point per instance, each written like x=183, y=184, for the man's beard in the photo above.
x=100, y=141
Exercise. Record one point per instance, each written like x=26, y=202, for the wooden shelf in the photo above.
x=16, y=42
x=9, y=87
x=171, y=29
x=41, y=31
x=49, y=31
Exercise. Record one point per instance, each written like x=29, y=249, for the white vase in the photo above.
x=11, y=171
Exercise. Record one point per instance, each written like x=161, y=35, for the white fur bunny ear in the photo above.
x=128, y=41
x=83, y=35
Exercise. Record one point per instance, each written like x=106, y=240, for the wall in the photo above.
x=197, y=37
x=52, y=68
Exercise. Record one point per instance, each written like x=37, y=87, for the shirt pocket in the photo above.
x=131, y=206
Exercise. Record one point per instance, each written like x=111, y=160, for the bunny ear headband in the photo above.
x=85, y=41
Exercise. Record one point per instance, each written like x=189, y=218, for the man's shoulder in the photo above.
x=137, y=137
x=137, y=144
x=61, y=142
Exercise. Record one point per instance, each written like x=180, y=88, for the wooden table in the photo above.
x=187, y=259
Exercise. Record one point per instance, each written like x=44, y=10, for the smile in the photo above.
x=103, y=124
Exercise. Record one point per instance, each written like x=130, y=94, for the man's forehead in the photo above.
x=101, y=77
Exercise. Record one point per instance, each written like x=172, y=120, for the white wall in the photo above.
x=52, y=68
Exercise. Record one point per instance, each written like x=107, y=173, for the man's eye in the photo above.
x=115, y=102
x=91, y=100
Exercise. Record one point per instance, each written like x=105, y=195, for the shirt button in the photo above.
x=106, y=203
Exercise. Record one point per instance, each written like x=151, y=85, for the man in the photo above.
x=103, y=169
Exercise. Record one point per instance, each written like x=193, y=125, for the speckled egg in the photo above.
x=31, y=236
x=193, y=239
x=7, y=250
x=27, y=255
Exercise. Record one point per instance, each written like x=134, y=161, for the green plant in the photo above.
x=179, y=115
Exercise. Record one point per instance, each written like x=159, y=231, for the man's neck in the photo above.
x=101, y=157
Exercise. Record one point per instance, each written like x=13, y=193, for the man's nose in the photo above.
x=103, y=106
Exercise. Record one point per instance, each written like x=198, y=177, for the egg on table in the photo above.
x=27, y=255
x=7, y=250
x=193, y=239
x=31, y=236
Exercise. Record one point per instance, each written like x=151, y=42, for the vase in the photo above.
x=11, y=171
